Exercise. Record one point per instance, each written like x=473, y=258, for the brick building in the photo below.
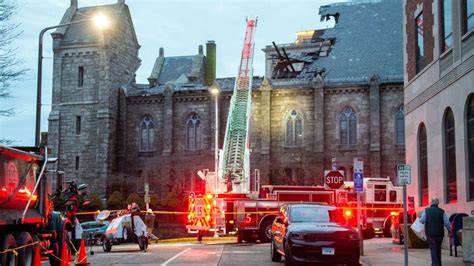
x=439, y=102
x=338, y=92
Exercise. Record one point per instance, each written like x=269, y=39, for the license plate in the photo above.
x=328, y=251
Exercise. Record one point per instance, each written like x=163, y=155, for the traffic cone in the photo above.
x=37, y=256
x=64, y=256
x=82, y=259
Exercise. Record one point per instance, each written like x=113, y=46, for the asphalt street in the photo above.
x=213, y=253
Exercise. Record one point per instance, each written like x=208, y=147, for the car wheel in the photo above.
x=274, y=253
x=265, y=232
x=143, y=243
x=106, y=245
x=288, y=259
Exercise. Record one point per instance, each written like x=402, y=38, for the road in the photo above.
x=213, y=253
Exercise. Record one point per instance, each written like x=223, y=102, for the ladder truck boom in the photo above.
x=234, y=165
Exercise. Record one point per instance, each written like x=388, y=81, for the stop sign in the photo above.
x=334, y=179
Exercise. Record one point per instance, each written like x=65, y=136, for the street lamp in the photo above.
x=100, y=21
x=215, y=91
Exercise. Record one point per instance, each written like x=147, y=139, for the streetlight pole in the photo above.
x=216, y=92
x=100, y=21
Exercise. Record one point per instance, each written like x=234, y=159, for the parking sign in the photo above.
x=404, y=174
x=358, y=175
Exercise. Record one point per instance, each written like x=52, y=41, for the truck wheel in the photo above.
x=25, y=255
x=8, y=242
x=239, y=237
x=386, y=228
x=265, y=232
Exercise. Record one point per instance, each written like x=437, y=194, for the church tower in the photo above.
x=91, y=66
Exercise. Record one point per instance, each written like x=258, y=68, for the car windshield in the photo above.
x=311, y=214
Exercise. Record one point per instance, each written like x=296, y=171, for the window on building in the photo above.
x=450, y=157
x=467, y=15
x=193, y=132
x=77, y=163
x=446, y=26
x=147, y=134
x=294, y=130
x=420, y=47
x=80, y=77
x=423, y=165
x=348, y=127
x=78, y=125
x=400, y=126
x=470, y=145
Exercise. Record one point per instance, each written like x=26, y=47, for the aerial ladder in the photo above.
x=234, y=164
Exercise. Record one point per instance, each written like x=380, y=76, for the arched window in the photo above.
x=450, y=157
x=470, y=145
x=147, y=134
x=400, y=126
x=423, y=165
x=193, y=132
x=348, y=127
x=294, y=130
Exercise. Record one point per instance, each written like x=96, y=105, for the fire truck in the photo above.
x=235, y=202
x=28, y=225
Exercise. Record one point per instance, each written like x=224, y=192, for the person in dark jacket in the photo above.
x=435, y=219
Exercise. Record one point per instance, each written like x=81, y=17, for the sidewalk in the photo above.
x=381, y=251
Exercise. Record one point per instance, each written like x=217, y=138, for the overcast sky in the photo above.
x=177, y=25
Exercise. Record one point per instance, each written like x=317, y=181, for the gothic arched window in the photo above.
x=193, y=132
x=450, y=157
x=294, y=130
x=348, y=127
x=400, y=126
x=423, y=165
x=147, y=134
x=470, y=145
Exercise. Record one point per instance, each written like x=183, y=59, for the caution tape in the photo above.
x=14, y=250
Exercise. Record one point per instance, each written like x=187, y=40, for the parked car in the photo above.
x=126, y=228
x=313, y=233
x=94, y=230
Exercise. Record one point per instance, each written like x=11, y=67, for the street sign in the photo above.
x=358, y=175
x=333, y=164
x=334, y=179
x=147, y=199
x=404, y=174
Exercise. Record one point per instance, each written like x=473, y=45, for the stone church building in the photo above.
x=333, y=93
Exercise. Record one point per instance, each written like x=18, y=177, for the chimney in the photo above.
x=121, y=2
x=74, y=3
x=200, y=51
x=162, y=52
x=210, y=63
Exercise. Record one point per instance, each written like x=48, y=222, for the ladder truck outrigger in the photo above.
x=234, y=201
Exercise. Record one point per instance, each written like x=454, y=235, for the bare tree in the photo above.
x=10, y=69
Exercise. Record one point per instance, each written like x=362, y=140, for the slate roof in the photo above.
x=178, y=68
x=86, y=32
x=368, y=40
x=226, y=84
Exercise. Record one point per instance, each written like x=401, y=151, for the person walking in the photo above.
x=150, y=224
x=434, y=219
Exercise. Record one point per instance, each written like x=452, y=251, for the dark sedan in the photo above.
x=312, y=233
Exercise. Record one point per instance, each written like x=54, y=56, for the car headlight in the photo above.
x=297, y=236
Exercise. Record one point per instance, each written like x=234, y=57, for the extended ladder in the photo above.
x=234, y=165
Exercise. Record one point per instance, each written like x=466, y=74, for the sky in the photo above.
x=179, y=26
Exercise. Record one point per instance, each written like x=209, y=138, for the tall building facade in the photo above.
x=439, y=102
x=333, y=94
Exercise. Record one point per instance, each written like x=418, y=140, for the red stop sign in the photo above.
x=334, y=179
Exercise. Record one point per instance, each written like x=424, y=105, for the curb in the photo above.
x=193, y=239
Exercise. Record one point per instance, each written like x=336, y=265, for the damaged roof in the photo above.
x=368, y=40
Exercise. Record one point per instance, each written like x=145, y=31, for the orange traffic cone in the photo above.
x=82, y=259
x=64, y=256
x=37, y=256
